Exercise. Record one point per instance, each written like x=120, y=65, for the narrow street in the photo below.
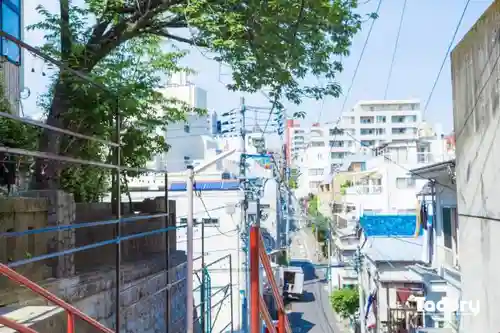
x=313, y=314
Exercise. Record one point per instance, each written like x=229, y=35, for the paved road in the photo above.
x=314, y=313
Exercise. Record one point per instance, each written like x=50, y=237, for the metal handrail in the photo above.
x=71, y=310
x=258, y=257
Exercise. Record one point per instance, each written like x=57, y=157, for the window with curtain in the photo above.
x=11, y=24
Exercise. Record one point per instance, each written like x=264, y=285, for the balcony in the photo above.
x=424, y=158
x=364, y=189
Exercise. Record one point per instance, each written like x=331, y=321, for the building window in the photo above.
x=367, y=143
x=314, y=185
x=317, y=144
x=403, y=183
x=366, y=131
x=11, y=24
x=381, y=119
x=335, y=131
x=335, y=155
x=316, y=172
x=336, y=143
x=210, y=222
x=450, y=227
x=366, y=120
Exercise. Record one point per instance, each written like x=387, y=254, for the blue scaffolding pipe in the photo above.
x=80, y=225
x=63, y=227
x=90, y=246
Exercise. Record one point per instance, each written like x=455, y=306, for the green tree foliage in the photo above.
x=294, y=178
x=14, y=134
x=345, y=186
x=272, y=44
x=345, y=302
x=134, y=71
x=319, y=223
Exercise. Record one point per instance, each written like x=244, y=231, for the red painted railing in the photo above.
x=70, y=310
x=258, y=307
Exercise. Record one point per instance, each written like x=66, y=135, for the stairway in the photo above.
x=33, y=319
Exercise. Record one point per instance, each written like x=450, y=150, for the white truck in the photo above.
x=293, y=282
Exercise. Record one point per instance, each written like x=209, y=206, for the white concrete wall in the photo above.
x=475, y=78
x=219, y=242
x=315, y=158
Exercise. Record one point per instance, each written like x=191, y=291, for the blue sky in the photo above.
x=428, y=27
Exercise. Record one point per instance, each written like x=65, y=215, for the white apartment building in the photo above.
x=386, y=185
x=370, y=124
x=298, y=142
x=313, y=163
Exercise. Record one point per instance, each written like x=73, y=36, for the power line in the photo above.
x=360, y=57
x=445, y=58
x=396, y=44
x=199, y=195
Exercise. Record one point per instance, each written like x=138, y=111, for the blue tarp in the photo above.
x=388, y=225
x=226, y=185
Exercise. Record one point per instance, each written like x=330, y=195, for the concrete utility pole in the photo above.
x=190, y=257
x=244, y=206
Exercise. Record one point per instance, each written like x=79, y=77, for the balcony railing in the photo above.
x=418, y=158
x=364, y=189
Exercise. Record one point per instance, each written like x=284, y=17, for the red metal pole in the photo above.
x=16, y=277
x=71, y=323
x=15, y=326
x=255, y=323
x=281, y=322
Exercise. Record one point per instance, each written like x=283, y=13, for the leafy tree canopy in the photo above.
x=345, y=302
x=121, y=44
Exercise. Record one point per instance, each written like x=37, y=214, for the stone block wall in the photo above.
x=87, y=279
x=61, y=211
x=20, y=214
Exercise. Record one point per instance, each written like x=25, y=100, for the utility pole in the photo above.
x=329, y=263
x=244, y=206
x=288, y=211
x=190, y=257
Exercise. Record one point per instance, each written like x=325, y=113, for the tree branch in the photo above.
x=168, y=35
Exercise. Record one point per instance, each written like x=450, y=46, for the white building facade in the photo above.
x=370, y=124
x=313, y=164
x=386, y=185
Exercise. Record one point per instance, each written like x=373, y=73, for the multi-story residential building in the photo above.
x=383, y=184
x=476, y=111
x=12, y=68
x=370, y=124
x=296, y=140
x=314, y=164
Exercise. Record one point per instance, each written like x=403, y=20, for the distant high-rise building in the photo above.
x=370, y=124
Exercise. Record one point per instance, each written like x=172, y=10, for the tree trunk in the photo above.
x=46, y=174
